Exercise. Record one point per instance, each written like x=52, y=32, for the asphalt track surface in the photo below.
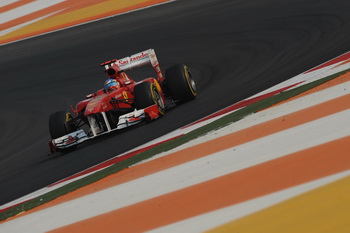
x=234, y=48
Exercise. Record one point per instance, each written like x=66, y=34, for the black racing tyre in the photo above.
x=180, y=83
x=60, y=124
x=146, y=94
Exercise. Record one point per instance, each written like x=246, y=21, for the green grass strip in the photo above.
x=222, y=122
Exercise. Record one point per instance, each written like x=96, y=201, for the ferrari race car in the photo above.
x=127, y=104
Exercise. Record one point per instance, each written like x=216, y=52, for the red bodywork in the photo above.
x=101, y=101
x=105, y=111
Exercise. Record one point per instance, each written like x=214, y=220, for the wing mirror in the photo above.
x=90, y=95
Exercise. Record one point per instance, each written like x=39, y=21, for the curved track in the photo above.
x=234, y=49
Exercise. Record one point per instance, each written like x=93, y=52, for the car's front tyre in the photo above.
x=60, y=124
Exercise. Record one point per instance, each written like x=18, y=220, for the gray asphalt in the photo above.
x=234, y=48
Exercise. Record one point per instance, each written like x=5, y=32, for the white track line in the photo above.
x=249, y=121
x=207, y=221
x=270, y=114
x=27, y=9
x=77, y=25
x=252, y=153
x=7, y=2
x=9, y=30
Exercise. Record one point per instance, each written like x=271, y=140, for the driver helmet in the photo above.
x=111, y=85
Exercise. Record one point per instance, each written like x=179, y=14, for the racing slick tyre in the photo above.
x=146, y=94
x=60, y=124
x=180, y=83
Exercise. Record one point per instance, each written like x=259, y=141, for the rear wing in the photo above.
x=134, y=61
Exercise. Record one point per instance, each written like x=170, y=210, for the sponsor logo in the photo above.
x=125, y=95
x=92, y=104
x=134, y=119
x=122, y=62
x=70, y=140
x=138, y=57
x=104, y=105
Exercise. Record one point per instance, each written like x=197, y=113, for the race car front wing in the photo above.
x=79, y=136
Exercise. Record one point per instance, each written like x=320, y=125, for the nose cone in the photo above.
x=96, y=105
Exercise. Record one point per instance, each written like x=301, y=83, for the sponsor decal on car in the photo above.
x=70, y=140
x=137, y=57
x=125, y=95
x=104, y=105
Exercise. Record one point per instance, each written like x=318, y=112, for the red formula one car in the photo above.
x=122, y=102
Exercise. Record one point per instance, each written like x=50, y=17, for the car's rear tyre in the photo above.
x=180, y=83
x=60, y=124
x=146, y=94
